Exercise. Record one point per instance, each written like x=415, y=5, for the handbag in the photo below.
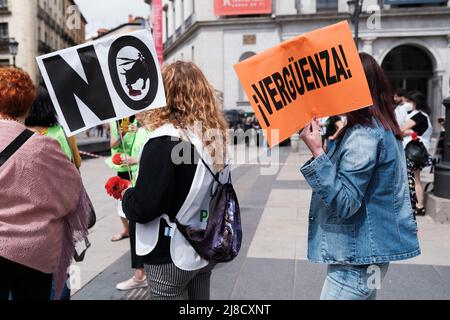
x=417, y=152
x=222, y=238
x=92, y=215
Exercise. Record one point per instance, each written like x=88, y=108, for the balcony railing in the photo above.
x=43, y=15
x=178, y=32
x=189, y=22
x=44, y=48
x=168, y=42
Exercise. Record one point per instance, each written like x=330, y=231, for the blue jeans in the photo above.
x=65, y=294
x=353, y=282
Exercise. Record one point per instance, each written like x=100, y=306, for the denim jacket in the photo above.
x=360, y=208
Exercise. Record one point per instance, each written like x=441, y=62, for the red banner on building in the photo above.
x=158, y=29
x=242, y=7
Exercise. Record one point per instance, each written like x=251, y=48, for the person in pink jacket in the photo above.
x=44, y=209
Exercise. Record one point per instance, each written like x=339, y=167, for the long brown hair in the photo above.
x=382, y=108
x=191, y=101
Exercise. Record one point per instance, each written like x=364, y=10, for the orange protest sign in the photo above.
x=317, y=74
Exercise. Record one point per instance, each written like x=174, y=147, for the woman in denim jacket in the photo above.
x=361, y=216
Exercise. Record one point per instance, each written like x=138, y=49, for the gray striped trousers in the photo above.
x=168, y=282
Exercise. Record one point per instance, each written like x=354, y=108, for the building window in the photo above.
x=3, y=5
x=166, y=20
x=4, y=30
x=327, y=5
x=182, y=11
x=174, y=17
x=241, y=95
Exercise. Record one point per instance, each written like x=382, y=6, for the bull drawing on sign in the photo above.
x=138, y=71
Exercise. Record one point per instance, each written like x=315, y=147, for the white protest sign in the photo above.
x=104, y=80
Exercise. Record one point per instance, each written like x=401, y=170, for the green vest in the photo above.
x=134, y=142
x=57, y=133
x=128, y=140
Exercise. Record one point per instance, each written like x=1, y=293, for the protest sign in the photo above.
x=104, y=80
x=317, y=74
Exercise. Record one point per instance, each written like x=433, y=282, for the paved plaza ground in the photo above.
x=272, y=263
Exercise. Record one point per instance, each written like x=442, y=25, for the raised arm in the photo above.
x=342, y=188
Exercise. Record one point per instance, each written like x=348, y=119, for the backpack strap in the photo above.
x=215, y=175
x=15, y=145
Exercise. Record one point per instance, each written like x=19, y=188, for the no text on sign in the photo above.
x=105, y=80
x=316, y=74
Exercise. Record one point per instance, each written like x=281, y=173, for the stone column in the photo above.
x=308, y=6
x=367, y=44
x=342, y=6
x=285, y=7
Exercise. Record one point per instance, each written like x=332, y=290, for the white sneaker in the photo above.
x=131, y=284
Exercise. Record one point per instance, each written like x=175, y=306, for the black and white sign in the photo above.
x=104, y=80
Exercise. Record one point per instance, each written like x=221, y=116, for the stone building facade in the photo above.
x=410, y=38
x=39, y=26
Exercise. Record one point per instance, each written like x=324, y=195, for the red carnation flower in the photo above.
x=115, y=186
x=414, y=136
x=124, y=184
x=117, y=159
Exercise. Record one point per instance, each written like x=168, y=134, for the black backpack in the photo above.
x=417, y=152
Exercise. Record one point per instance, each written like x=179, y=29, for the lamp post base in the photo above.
x=442, y=180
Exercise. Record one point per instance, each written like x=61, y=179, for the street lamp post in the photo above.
x=355, y=7
x=13, y=48
x=442, y=170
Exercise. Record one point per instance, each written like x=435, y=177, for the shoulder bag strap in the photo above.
x=15, y=145
x=215, y=175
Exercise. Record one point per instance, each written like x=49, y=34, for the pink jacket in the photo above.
x=43, y=205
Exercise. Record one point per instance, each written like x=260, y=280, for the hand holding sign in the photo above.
x=312, y=137
x=316, y=74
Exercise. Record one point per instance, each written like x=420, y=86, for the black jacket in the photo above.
x=161, y=188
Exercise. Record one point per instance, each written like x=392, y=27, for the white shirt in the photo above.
x=401, y=112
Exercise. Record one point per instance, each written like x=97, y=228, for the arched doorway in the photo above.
x=242, y=98
x=409, y=67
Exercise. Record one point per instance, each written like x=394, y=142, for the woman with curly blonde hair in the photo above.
x=186, y=147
